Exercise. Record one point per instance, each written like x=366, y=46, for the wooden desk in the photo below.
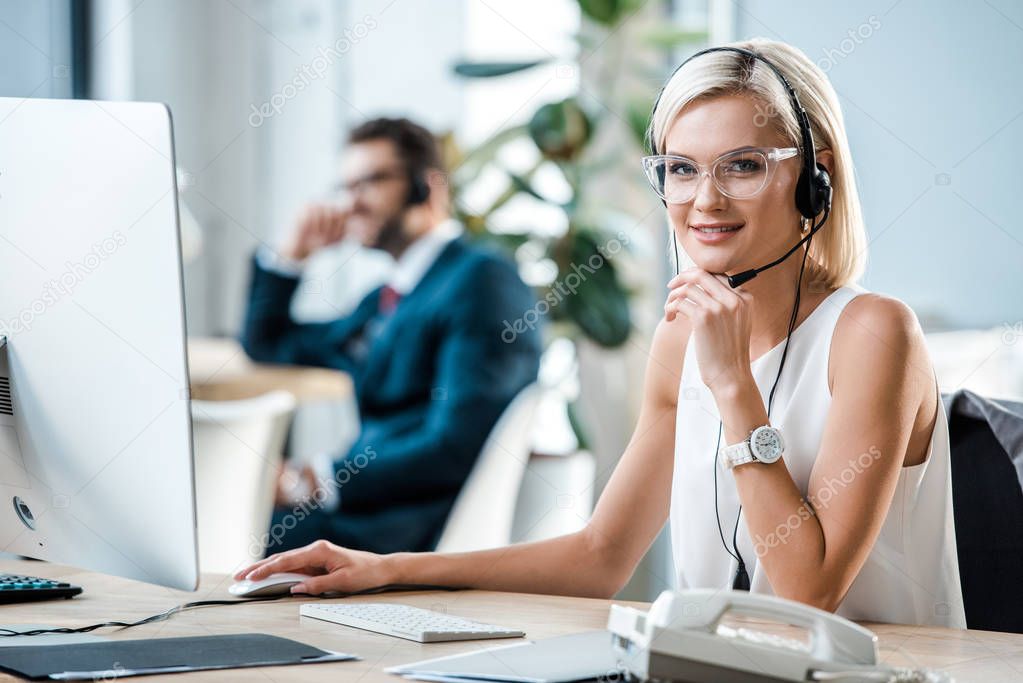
x=970, y=656
x=219, y=370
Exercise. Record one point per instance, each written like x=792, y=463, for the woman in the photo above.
x=847, y=504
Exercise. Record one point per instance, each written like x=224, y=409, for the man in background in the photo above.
x=431, y=370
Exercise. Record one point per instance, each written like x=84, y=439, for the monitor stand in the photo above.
x=13, y=473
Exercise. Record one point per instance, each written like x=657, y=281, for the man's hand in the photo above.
x=294, y=485
x=320, y=225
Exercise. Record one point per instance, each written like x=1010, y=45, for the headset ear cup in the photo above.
x=804, y=195
x=419, y=190
x=813, y=192
x=823, y=182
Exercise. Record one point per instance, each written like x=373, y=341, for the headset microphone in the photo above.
x=747, y=275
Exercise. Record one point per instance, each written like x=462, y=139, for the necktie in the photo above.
x=389, y=298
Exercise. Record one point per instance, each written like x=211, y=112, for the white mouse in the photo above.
x=275, y=584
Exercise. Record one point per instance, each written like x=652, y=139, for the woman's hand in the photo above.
x=331, y=568
x=722, y=323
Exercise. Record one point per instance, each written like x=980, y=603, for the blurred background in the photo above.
x=541, y=105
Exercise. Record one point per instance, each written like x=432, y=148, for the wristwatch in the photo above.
x=764, y=444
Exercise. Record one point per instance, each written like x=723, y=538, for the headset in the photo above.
x=419, y=189
x=813, y=198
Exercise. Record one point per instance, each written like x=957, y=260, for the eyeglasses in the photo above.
x=740, y=174
x=365, y=182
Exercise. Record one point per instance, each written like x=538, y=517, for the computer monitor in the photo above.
x=95, y=429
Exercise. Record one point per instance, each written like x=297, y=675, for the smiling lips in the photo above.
x=713, y=233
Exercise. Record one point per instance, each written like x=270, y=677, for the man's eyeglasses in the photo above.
x=740, y=174
x=363, y=183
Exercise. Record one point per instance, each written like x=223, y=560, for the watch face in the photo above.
x=766, y=444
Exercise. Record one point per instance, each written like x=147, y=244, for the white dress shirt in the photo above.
x=419, y=256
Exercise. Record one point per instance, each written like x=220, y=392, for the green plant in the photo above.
x=564, y=133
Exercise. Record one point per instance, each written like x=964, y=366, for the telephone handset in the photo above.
x=682, y=638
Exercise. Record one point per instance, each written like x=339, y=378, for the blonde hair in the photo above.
x=838, y=251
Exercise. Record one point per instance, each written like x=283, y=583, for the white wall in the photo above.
x=313, y=68
x=932, y=93
x=35, y=49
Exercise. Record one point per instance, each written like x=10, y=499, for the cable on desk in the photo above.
x=896, y=675
x=7, y=633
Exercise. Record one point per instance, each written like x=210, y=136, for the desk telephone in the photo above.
x=682, y=638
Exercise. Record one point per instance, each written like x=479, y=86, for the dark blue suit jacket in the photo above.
x=431, y=379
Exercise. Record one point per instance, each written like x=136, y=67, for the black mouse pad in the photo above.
x=114, y=658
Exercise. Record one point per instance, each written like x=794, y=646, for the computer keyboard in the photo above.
x=15, y=588
x=402, y=621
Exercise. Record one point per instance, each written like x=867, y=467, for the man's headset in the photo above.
x=813, y=189
x=419, y=189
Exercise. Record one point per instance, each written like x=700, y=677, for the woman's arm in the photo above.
x=881, y=380
x=596, y=561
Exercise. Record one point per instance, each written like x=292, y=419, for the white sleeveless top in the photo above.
x=912, y=574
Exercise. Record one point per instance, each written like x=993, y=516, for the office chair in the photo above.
x=986, y=438
x=484, y=511
x=238, y=452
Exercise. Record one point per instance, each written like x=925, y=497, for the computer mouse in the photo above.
x=275, y=584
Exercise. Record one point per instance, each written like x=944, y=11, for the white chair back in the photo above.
x=484, y=511
x=556, y=496
x=238, y=453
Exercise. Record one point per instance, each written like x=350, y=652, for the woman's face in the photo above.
x=769, y=221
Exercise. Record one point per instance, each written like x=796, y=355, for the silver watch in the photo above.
x=764, y=444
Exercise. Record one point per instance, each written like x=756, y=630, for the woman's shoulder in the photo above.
x=874, y=328
x=879, y=316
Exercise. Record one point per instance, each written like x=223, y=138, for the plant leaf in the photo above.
x=493, y=69
x=523, y=185
x=607, y=12
x=561, y=129
x=598, y=303
x=668, y=36
x=576, y=423
x=486, y=151
x=637, y=115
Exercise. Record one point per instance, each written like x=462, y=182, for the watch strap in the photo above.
x=737, y=454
